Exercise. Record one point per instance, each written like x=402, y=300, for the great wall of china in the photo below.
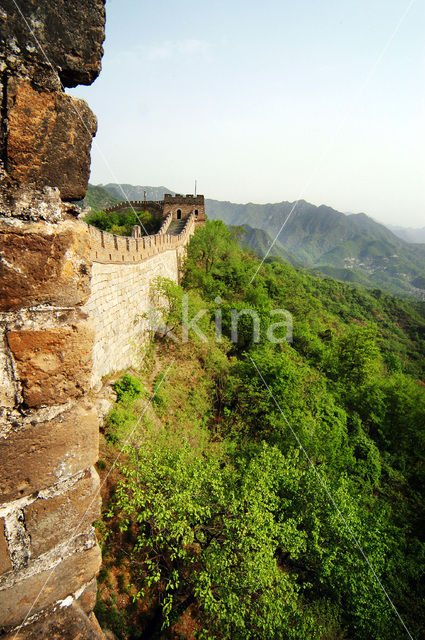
x=72, y=303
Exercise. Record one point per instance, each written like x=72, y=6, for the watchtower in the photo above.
x=182, y=206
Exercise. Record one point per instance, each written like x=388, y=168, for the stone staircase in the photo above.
x=176, y=227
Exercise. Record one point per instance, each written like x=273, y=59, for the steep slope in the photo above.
x=260, y=241
x=216, y=521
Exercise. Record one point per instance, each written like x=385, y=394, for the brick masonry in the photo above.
x=49, y=428
x=121, y=293
x=81, y=317
x=177, y=206
x=72, y=307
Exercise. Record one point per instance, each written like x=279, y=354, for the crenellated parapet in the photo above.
x=137, y=205
x=179, y=207
x=108, y=248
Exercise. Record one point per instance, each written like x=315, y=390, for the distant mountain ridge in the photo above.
x=262, y=243
x=135, y=192
x=98, y=199
x=350, y=247
x=408, y=234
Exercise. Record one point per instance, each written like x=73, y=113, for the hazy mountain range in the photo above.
x=263, y=244
x=352, y=247
x=98, y=198
x=135, y=192
x=408, y=234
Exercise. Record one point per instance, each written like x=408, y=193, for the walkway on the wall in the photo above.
x=107, y=248
x=136, y=205
x=176, y=227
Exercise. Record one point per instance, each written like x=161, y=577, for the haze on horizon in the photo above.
x=264, y=102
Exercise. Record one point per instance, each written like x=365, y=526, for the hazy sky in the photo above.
x=267, y=101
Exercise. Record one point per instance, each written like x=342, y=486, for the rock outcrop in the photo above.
x=46, y=134
x=73, y=302
x=49, y=489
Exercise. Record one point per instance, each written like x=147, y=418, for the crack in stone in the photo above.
x=4, y=122
x=50, y=559
x=18, y=539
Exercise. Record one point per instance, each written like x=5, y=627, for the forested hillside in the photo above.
x=352, y=247
x=268, y=490
x=98, y=199
x=262, y=243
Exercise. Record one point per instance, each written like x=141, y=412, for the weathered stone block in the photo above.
x=5, y=563
x=53, y=365
x=36, y=455
x=48, y=586
x=49, y=139
x=69, y=623
x=87, y=600
x=70, y=34
x=43, y=264
x=48, y=522
x=7, y=386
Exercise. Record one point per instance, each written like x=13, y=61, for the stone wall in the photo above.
x=71, y=310
x=137, y=205
x=169, y=206
x=123, y=273
x=106, y=247
x=120, y=296
x=49, y=490
x=48, y=429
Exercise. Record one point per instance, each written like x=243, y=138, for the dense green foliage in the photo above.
x=264, y=467
x=121, y=223
x=127, y=388
x=98, y=199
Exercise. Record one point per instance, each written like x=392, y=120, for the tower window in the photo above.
x=196, y=212
x=179, y=214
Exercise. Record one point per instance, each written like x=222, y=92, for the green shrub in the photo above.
x=118, y=424
x=127, y=388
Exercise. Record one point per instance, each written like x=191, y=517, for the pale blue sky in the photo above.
x=266, y=101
